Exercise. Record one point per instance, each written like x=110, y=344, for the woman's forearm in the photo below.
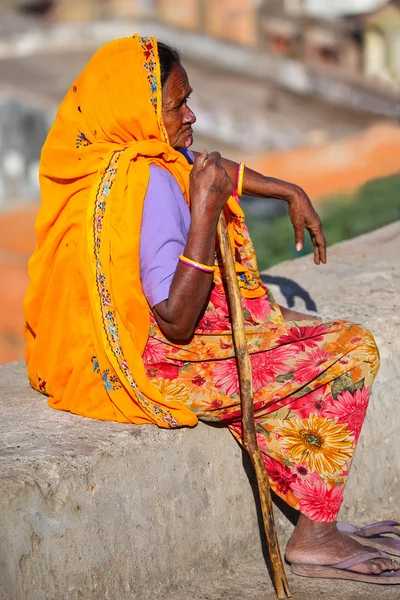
x=301, y=211
x=210, y=187
x=255, y=184
x=177, y=316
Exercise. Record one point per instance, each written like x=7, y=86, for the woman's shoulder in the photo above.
x=161, y=175
x=161, y=181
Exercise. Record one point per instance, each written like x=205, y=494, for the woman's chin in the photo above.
x=188, y=142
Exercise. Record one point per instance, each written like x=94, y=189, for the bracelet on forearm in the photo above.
x=239, y=179
x=197, y=265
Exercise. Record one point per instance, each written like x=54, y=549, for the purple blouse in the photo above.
x=164, y=231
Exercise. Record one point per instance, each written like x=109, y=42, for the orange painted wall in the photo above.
x=17, y=242
x=340, y=166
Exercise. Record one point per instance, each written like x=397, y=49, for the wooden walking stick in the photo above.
x=248, y=424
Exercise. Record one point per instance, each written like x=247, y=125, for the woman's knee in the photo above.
x=364, y=344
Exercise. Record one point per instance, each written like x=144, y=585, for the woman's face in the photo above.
x=178, y=118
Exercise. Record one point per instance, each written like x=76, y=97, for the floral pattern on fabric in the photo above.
x=150, y=65
x=81, y=140
x=108, y=311
x=311, y=384
x=42, y=385
x=109, y=378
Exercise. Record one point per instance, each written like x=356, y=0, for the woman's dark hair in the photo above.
x=169, y=57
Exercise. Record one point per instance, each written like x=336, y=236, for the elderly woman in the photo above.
x=127, y=316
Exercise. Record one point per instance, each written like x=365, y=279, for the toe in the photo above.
x=393, y=565
x=377, y=566
x=387, y=564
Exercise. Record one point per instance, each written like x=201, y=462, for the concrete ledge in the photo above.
x=101, y=510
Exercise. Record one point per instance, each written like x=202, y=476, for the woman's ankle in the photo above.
x=309, y=532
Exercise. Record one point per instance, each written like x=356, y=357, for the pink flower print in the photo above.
x=311, y=366
x=166, y=370
x=304, y=337
x=350, y=409
x=152, y=372
x=155, y=351
x=281, y=475
x=317, y=501
x=266, y=365
x=315, y=402
x=259, y=308
x=213, y=320
x=301, y=471
x=218, y=299
x=99, y=223
x=225, y=377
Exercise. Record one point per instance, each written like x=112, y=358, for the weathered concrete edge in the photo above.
x=144, y=510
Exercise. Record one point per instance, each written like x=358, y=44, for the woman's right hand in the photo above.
x=210, y=185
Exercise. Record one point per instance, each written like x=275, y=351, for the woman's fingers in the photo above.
x=319, y=243
x=303, y=216
x=200, y=162
x=216, y=157
x=320, y=247
x=298, y=227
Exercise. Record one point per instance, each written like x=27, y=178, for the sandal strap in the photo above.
x=358, y=560
x=367, y=530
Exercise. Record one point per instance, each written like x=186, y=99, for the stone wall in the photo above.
x=23, y=130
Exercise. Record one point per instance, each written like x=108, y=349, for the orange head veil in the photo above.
x=87, y=320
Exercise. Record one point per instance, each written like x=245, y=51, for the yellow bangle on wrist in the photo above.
x=240, y=177
x=197, y=265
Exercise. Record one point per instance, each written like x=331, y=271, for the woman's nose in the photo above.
x=190, y=117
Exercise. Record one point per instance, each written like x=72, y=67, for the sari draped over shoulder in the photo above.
x=87, y=320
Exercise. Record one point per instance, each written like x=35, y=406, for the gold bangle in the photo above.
x=197, y=265
x=240, y=177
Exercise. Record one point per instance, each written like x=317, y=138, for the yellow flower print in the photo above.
x=323, y=444
x=196, y=379
x=171, y=390
x=369, y=353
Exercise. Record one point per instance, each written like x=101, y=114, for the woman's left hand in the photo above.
x=303, y=216
x=301, y=211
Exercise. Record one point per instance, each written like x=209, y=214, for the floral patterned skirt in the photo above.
x=311, y=383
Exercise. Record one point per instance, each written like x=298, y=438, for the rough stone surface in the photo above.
x=101, y=510
x=249, y=581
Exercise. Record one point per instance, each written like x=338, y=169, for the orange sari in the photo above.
x=85, y=310
x=87, y=320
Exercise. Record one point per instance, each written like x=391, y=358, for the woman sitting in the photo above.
x=127, y=316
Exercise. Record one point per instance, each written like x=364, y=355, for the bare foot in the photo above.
x=292, y=315
x=322, y=544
